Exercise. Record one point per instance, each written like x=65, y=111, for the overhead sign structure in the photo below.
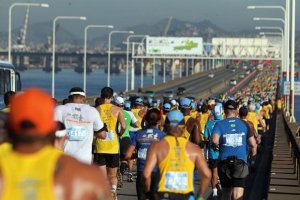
x=287, y=88
x=174, y=46
x=244, y=47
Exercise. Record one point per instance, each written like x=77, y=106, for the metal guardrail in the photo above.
x=292, y=130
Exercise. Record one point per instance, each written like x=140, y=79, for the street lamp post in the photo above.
x=292, y=97
x=53, y=46
x=282, y=43
x=44, y=5
x=287, y=45
x=127, y=61
x=85, y=47
x=108, y=53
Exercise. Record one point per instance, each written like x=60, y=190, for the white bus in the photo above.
x=9, y=80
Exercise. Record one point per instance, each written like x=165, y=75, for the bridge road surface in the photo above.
x=203, y=83
x=128, y=191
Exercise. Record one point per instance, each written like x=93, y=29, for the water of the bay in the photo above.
x=68, y=78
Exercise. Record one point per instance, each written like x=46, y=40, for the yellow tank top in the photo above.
x=186, y=134
x=253, y=118
x=266, y=109
x=176, y=170
x=111, y=143
x=279, y=104
x=203, y=121
x=194, y=114
x=136, y=111
x=29, y=177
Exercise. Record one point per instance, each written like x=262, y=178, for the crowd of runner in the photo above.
x=78, y=151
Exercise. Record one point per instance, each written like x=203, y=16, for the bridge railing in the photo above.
x=292, y=130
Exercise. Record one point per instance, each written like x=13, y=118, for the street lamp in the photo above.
x=282, y=38
x=292, y=97
x=268, y=19
x=53, y=46
x=127, y=62
x=108, y=53
x=43, y=5
x=85, y=44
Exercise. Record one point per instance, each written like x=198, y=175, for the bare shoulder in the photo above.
x=78, y=174
x=193, y=149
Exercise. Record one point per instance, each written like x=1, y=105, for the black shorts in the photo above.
x=110, y=160
x=232, y=175
x=124, y=145
x=213, y=163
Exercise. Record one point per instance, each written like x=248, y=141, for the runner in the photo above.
x=31, y=168
x=130, y=120
x=231, y=136
x=176, y=159
x=7, y=99
x=107, y=149
x=81, y=121
x=139, y=112
x=192, y=130
x=141, y=142
x=213, y=155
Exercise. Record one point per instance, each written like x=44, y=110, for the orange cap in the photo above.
x=32, y=113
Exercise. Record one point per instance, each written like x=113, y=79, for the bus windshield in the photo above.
x=9, y=80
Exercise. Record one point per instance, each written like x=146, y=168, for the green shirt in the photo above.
x=127, y=118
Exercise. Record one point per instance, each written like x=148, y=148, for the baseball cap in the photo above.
x=231, y=105
x=173, y=102
x=119, y=101
x=166, y=106
x=185, y=103
x=139, y=101
x=127, y=105
x=32, y=113
x=174, y=118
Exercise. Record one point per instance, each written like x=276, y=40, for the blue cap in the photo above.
x=166, y=106
x=127, y=105
x=174, y=118
x=139, y=100
x=185, y=103
x=150, y=100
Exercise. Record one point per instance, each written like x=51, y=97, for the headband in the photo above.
x=79, y=93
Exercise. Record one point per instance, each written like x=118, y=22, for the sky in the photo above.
x=231, y=15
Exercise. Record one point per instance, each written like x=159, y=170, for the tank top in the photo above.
x=266, y=109
x=110, y=144
x=203, y=120
x=253, y=118
x=29, y=177
x=136, y=111
x=194, y=114
x=176, y=170
x=186, y=134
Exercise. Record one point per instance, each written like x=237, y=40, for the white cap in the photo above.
x=173, y=102
x=119, y=100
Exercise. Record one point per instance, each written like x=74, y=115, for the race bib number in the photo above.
x=234, y=140
x=142, y=154
x=77, y=133
x=176, y=180
x=109, y=136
